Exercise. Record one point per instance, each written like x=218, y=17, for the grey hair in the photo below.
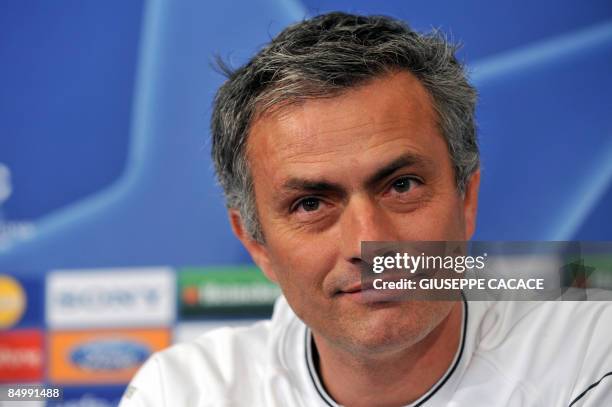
x=321, y=57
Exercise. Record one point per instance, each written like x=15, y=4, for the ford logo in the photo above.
x=109, y=355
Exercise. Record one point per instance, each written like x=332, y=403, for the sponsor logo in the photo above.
x=228, y=291
x=108, y=356
x=21, y=356
x=12, y=301
x=117, y=297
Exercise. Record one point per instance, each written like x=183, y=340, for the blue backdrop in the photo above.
x=104, y=115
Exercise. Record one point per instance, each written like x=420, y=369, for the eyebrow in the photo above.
x=404, y=160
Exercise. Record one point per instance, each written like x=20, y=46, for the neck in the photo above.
x=390, y=379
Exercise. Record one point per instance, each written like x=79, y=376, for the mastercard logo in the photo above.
x=12, y=301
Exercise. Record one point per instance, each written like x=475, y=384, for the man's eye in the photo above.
x=404, y=184
x=308, y=204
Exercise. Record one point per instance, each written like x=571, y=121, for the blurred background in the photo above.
x=114, y=241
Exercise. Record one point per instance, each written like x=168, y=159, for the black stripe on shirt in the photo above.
x=457, y=361
x=310, y=369
x=589, y=388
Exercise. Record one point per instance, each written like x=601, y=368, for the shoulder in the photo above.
x=215, y=354
x=213, y=365
x=528, y=340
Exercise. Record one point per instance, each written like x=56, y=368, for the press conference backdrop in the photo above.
x=114, y=241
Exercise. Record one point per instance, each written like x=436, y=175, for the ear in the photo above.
x=470, y=204
x=257, y=250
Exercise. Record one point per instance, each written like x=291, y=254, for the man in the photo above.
x=347, y=129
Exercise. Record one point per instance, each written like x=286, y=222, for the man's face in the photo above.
x=368, y=165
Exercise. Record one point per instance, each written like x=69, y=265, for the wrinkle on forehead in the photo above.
x=416, y=102
x=320, y=130
x=349, y=152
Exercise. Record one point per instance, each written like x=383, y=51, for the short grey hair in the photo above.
x=322, y=57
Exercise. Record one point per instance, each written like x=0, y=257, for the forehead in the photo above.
x=349, y=131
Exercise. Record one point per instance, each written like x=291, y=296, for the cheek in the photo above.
x=441, y=219
x=301, y=271
x=301, y=264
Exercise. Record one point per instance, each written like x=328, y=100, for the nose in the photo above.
x=363, y=220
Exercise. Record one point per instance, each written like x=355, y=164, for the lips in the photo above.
x=368, y=284
x=363, y=291
x=354, y=288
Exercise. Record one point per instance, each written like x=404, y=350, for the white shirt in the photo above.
x=511, y=354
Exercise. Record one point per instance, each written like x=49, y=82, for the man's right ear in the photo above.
x=257, y=250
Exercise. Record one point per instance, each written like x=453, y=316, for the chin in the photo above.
x=396, y=326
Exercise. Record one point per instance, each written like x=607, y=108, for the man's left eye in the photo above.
x=404, y=184
x=309, y=204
